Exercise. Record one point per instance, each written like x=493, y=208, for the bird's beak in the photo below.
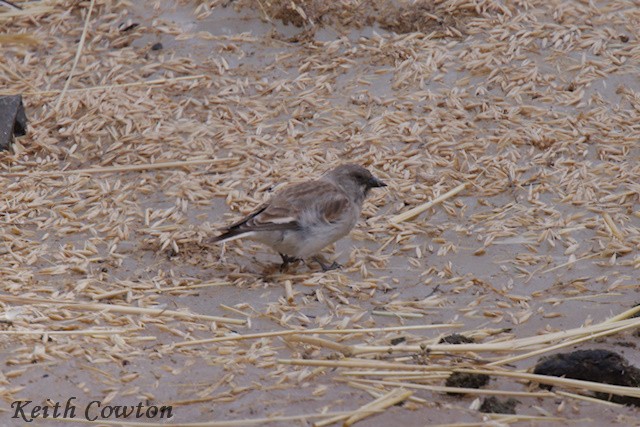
x=375, y=182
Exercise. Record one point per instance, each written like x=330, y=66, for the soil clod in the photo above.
x=466, y=380
x=601, y=366
x=456, y=339
x=493, y=405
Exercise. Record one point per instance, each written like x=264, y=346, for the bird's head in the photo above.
x=355, y=180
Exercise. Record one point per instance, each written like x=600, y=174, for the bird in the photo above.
x=302, y=219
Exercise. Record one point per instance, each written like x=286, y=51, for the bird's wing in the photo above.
x=295, y=206
x=332, y=207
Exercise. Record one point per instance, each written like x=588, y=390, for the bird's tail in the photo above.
x=230, y=235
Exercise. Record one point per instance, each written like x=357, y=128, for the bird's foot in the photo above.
x=286, y=260
x=334, y=265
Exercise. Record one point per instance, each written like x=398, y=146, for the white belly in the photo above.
x=307, y=241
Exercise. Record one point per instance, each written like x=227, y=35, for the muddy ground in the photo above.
x=533, y=105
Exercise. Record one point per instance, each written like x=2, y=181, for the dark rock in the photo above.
x=600, y=366
x=13, y=120
x=456, y=339
x=465, y=380
x=157, y=46
x=125, y=28
x=399, y=340
x=493, y=405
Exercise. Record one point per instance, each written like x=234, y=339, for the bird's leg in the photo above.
x=286, y=260
x=326, y=267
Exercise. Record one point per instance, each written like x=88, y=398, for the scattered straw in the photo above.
x=380, y=404
x=126, y=168
x=30, y=10
x=316, y=331
x=232, y=423
x=561, y=382
x=588, y=399
x=25, y=39
x=569, y=343
x=613, y=228
x=461, y=390
x=288, y=291
x=412, y=213
x=107, y=308
x=78, y=53
x=75, y=332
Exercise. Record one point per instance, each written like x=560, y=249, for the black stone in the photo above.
x=13, y=120
x=465, y=380
x=602, y=366
x=493, y=405
x=455, y=339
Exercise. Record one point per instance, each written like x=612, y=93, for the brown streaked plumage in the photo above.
x=303, y=218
